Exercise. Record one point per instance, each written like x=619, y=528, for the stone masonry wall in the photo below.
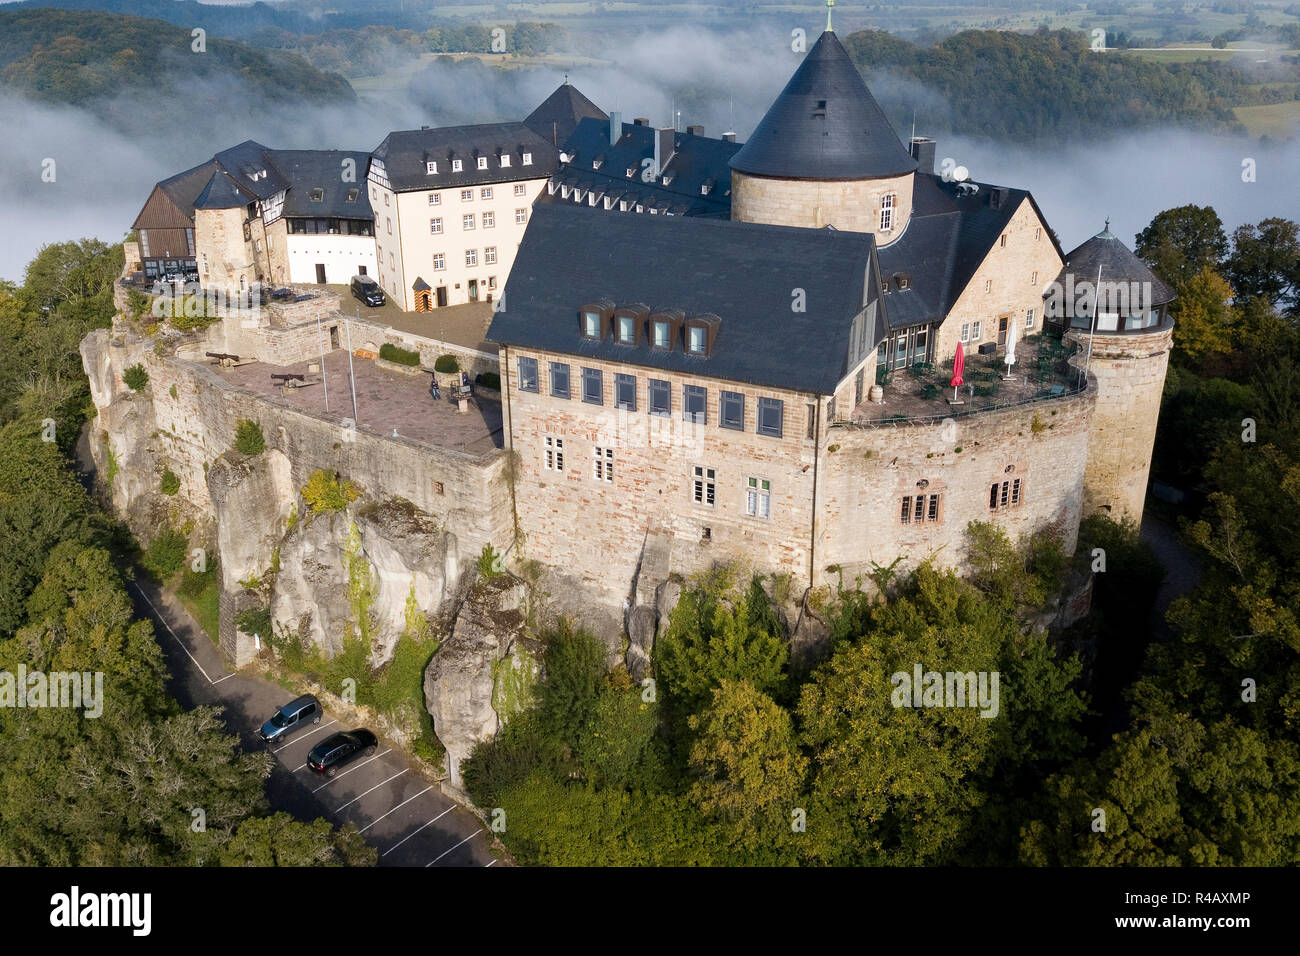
x=1130, y=370
x=848, y=205
x=865, y=478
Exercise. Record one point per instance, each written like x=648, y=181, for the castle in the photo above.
x=709, y=352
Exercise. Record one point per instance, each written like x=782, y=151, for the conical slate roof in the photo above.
x=1117, y=264
x=825, y=125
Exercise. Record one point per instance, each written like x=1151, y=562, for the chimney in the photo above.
x=922, y=150
x=641, y=121
x=665, y=143
x=729, y=137
x=615, y=127
x=424, y=127
x=695, y=130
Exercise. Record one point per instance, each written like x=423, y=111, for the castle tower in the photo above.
x=1122, y=324
x=825, y=155
x=225, y=251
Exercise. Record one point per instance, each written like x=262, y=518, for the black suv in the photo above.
x=367, y=290
x=333, y=752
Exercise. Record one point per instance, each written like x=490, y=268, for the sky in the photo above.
x=102, y=175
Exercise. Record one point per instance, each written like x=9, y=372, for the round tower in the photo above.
x=825, y=155
x=1107, y=300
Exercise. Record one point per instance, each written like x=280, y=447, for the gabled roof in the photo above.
x=741, y=272
x=324, y=169
x=250, y=165
x=596, y=164
x=404, y=155
x=222, y=192
x=825, y=125
x=1105, y=252
x=559, y=114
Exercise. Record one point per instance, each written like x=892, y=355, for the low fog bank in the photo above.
x=106, y=168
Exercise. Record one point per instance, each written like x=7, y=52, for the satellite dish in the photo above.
x=960, y=174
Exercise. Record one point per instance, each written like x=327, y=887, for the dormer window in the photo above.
x=317, y=194
x=627, y=329
x=482, y=162
x=352, y=195
x=431, y=168
x=903, y=281
x=630, y=171
x=528, y=159
x=457, y=165
x=505, y=160
x=591, y=325
x=668, y=179
x=697, y=339
x=662, y=334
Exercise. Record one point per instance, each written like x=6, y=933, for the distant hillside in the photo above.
x=1051, y=84
x=239, y=20
x=91, y=59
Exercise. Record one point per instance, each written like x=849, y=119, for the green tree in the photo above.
x=1181, y=243
x=1203, y=320
x=280, y=840
x=1265, y=263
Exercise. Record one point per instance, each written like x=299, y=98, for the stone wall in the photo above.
x=867, y=471
x=848, y=205
x=1130, y=370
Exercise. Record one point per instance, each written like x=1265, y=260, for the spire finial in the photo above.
x=829, y=5
x=1108, y=223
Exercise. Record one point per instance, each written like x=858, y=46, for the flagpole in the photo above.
x=1092, y=326
x=320, y=337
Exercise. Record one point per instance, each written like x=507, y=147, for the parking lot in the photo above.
x=404, y=815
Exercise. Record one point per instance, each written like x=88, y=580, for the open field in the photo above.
x=1278, y=120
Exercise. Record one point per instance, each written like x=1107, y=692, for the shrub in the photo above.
x=136, y=378
x=165, y=554
x=393, y=353
x=248, y=437
x=489, y=562
x=170, y=484
x=446, y=363
x=929, y=390
x=489, y=380
x=324, y=493
x=254, y=620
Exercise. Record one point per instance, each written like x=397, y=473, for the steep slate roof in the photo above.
x=742, y=272
x=222, y=192
x=696, y=161
x=1117, y=264
x=404, y=155
x=559, y=114
x=309, y=169
x=825, y=125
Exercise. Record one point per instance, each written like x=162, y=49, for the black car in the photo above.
x=333, y=752
x=367, y=290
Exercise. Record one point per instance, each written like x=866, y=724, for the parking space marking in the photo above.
x=417, y=830
x=348, y=771
x=486, y=865
x=445, y=852
x=395, y=809
x=303, y=737
x=371, y=790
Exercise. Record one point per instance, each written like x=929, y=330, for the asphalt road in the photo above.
x=402, y=814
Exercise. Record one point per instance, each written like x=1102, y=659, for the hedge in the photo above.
x=446, y=363
x=393, y=353
x=490, y=380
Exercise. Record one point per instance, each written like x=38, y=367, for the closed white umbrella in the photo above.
x=1011, y=347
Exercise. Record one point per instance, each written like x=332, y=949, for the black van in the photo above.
x=367, y=290
x=297, y=713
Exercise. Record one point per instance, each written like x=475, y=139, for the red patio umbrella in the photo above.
x=958, y=365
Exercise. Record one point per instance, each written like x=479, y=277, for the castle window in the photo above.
x=485, y=192
x=696, y=339
x=559, y=380
x=758, y=498
x=965, y=331
x=812, y=421
x=660, y=397
x=317, y=194
x=602, y=462
x=1033, y=279
x=857, y=388
x=626, y=329
x=988, y=285
x=482, y=162
x=489, y=220
x=505, y=160
x=919, y=509
x=435, y=199
x=704, y=489
x=625, y=391
x=975, y=331
x=527, y=374
x=731, y=410
x=1038, y=234
x=554, y=453
x=591, y=325
x=1029, y=318
x=388, y=221
x=519, y=189
x=467, y=195
x=457, y=165
x=351, y=195
x=435, y=226
x=439, y=262
x=695, y=404
x=521, y=216
x=471, y=257
x=593, y=386
x=887, y=212
x=467, y=221
x=490, y=255
x=431, y=168
x=528, y=159
x=1003, y=242
x=1004, y=494
x=771, y=411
